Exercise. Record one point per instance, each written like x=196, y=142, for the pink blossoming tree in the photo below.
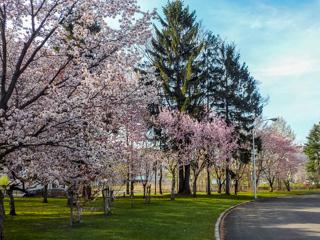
x=64, y=72
x=278, y=158
x=195, y=142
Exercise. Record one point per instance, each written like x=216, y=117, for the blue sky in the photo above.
x=280, y=42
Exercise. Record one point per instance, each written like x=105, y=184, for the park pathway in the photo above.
x=271, y=219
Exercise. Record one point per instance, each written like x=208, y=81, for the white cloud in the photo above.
x=288, y=66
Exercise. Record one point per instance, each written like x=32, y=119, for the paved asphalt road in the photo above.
x=281, y=218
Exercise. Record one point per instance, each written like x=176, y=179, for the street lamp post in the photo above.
x=254, y=165
x=254, y=155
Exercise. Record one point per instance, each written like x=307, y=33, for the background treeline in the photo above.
x=200, y=73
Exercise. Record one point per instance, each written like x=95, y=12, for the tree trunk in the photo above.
x=145, y=193
x=219, y=182
x=208, y=182
x=279, y=184
x=187, y=190
x=2, y=213
x=173, y=185
x=236, y=187
x=111, y=196
x=181, y=179
x=271, y=185
x=144, y=185
x=45, y=193
x=287, y=184
x=87, y=191
x=257, y=181
x=71, y=203
x=131, y=188
x=128, y=184
x=148, y=196
x=227, y=180
x=131, y=193
x=160, y=180
x=107, y=198
x=195, y=177
x=11, y=203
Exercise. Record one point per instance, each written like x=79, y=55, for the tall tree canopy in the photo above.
x=199, y=71
x=312, y=150
x=175, y=53
x=232, y=92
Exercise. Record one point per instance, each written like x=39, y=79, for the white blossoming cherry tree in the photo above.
x=63, y=64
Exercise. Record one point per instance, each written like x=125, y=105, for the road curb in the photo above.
x=218, y=233
x=218, y=225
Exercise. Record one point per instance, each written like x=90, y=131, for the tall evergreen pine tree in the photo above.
x=175, y=53
x=233, y=94
x=312, y=150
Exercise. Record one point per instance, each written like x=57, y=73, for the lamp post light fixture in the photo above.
x=254, y=155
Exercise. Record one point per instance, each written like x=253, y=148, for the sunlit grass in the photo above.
x=185, y=218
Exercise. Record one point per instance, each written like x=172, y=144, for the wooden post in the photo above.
x=107, y=199
x=70, y=198
x=149, y=193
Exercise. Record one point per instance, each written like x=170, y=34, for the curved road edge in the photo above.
x=219, y=223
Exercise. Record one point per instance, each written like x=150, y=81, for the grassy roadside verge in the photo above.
x=185, y=218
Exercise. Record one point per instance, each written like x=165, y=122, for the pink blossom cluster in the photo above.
x=280, y=157
x=190, y=137
x=69, y=87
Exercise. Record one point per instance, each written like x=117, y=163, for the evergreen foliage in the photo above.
x=201, y=71
x=312, y=150
x=175, y=53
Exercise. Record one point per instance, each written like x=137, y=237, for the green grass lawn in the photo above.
x=185, y=218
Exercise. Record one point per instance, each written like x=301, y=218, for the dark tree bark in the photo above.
x=131, y=193
x=11, y=202
x=194, y=186
x=144, y=185
x=87, y=191
x=271, y=182
x=181, y=179
x=187, y=190
x=148, y=195
x=227, y=181
x=131, y=188
x=271, y=188
x=128, y=184
x=287, y=184
x=155, y=178
x=45, y=193
x=236, y=186
x=160, y=180
x=208, y=181
x=220, y=184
